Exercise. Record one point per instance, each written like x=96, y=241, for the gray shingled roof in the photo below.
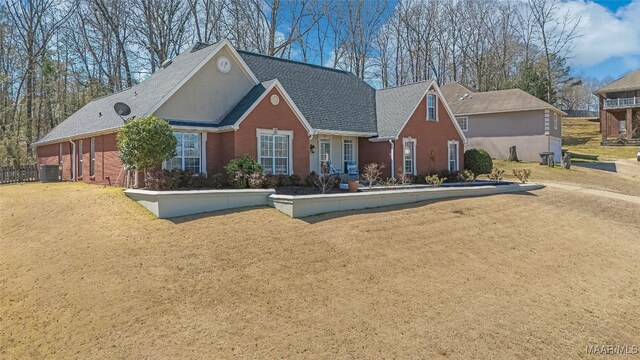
x=631, y=81
x=490, y=101
x=395, y=105
x=252, y=96
x=329, y=99
x=142, y=98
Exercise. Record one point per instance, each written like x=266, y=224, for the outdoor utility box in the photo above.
x=50, y=173
x=545, y=157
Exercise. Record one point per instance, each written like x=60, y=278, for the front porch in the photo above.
x=620, y=125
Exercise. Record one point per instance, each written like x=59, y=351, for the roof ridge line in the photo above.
x=295, y=62
x=399, y=86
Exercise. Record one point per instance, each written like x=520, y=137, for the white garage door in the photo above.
x=555, y=145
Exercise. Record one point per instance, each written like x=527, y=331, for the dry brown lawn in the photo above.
x=87, y=273
x=581, y=176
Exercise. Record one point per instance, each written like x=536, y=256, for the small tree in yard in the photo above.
x=146, y=142
x=372, y=173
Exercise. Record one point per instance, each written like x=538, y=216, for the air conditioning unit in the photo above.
x=50, y=173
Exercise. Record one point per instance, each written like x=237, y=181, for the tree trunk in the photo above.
x=566, y=161
x=513, y=155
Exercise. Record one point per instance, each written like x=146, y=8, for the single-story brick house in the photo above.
x=290, y=116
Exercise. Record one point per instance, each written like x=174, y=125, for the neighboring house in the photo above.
x=289, y=116
x=620, y=110
x=497, y=120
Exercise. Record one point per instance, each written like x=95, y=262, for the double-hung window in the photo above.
x=555, y=121
x=92, y=155
x=431, y=107
x=188, y=153
x=347, y=153
x=453, y=155
x=463, y=122
x=409, y=151
x=60, y=153
x=79, y=157
x=274, y=152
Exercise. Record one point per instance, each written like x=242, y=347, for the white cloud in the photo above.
x=605, y=35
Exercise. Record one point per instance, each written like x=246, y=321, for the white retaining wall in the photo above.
x=167, y=204
x=298, y=206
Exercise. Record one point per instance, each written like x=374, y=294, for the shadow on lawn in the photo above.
x=313, y=219
x=213, y=214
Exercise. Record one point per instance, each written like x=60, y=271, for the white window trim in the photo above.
x=435, y=105
x=164, y=163
x=60, y=157
x=353, y=152
x=276, y=132
x=457, y=154
x=320, y=150
x=413, y=157
x=466, y=122
x=555, y=121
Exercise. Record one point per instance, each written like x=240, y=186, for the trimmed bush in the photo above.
x=183, y=180
x=295, y=179
x=241, y=169
x=311, y=179
x=478, y=161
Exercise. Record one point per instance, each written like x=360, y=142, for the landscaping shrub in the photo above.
x=311, y=179
x=434, y=180
x=256, y=180
x=419, y=179
x=478, y=161
x=283, y=180
x=183, y=180
x=325, y=182
x=372, y=173
x=239, y=171
x=522, y=174
x=404, y=179
x=448, y=176
x=271, y=181
x=466, y=176
x=295, y=179
x=496, y=174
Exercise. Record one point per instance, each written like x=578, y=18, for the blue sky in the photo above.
x=610, y=42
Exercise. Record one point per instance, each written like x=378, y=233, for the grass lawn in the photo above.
x=583, y=136
x=87, y=273
x=588, y=178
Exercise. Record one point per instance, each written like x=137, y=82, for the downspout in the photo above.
x=73, y=161
x=392, y=143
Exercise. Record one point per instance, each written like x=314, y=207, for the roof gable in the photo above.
x=631, y=81
x=329, y=99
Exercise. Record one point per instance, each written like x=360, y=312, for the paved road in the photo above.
x=626, y=167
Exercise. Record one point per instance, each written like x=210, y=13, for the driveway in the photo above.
x=625, y=167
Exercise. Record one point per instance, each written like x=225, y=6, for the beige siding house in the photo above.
x=497, y=120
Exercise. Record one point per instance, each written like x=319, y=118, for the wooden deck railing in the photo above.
x=21, y=173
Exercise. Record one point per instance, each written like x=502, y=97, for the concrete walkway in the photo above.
x=626, y=167
x=601, y=193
